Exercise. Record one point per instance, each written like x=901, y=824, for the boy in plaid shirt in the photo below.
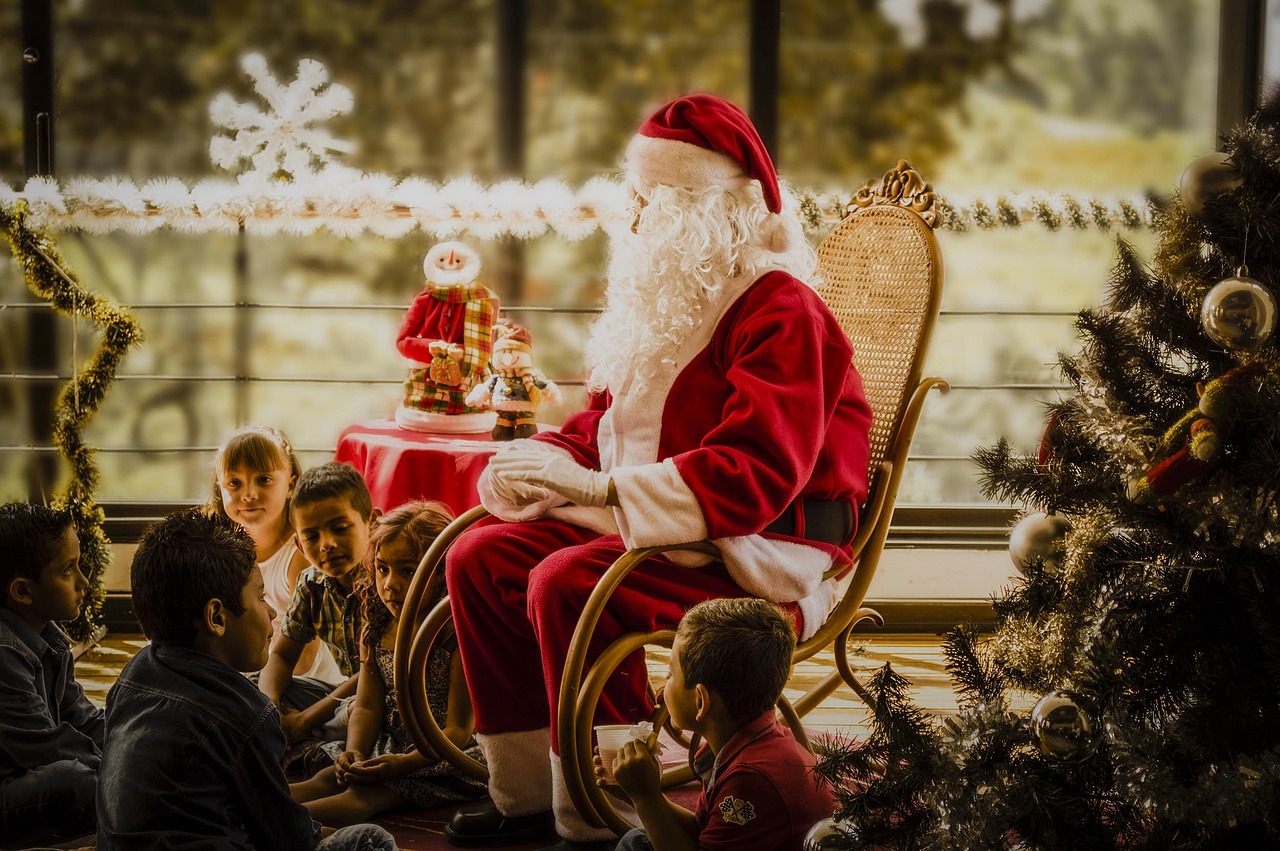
x=332, y=514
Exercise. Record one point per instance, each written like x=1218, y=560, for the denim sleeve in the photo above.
x=27, y=729
x=272, y=818
x=80, y=713
x=299, y=622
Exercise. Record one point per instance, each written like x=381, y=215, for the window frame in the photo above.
x=1240, y=54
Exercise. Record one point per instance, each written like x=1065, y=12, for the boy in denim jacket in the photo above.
x=192, y=756
x=50, y=735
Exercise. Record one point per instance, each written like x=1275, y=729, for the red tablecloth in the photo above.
x=400, y=465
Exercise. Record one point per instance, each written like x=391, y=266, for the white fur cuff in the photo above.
x=779, y=571
x=569, y=824
x=519, y=771
x=656, y=507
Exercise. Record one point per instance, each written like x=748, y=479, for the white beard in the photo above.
x=652, y=307
x=694, y=251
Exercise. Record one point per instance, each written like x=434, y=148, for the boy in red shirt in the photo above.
x=729, y=663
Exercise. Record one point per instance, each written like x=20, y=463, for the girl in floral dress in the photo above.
x=378, y=768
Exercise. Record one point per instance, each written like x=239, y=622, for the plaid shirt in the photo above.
x=320, y=607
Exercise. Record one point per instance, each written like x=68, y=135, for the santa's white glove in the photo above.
x=513, y=492
x=521, y=462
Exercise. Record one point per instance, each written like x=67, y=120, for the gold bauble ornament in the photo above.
x=1239, y=313
x=1038, y=537
x=1207, y=176
x=1064, y=729
x=829, y=834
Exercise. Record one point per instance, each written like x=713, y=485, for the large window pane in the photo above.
x=1081, y=96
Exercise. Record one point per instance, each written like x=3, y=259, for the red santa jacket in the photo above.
x=762, y=406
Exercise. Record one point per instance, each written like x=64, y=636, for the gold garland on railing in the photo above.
x=48, y=278
x=1051, y=211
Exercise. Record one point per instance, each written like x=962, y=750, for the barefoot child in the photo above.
x=50, y=735
x=378, y=768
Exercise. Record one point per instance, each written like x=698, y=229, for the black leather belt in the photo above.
x=825, y=521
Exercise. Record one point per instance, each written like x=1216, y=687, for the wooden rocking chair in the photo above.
x=882, y=279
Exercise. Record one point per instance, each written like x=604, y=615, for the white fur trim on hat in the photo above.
x=674, y=163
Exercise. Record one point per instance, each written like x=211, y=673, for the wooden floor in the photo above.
x=916, y=657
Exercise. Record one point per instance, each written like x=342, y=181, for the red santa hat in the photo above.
x=699, y=141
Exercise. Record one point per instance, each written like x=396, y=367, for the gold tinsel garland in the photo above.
x=48, y=278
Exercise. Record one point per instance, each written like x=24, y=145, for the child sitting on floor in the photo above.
x=254, y=473
x=332, y=515
x=192, y=756
x=378, y=768
x=50, y=735
x=729, y=662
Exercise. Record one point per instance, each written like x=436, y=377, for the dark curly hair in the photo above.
x=420, y=521
x=182, y=562
x=30, y=536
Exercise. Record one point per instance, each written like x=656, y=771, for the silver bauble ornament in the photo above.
x=1064, y=729
x=1207, y=177
x=1239, y=313
x=1037, y=536
x=829, y=834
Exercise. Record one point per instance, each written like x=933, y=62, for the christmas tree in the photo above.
x=1129, y=696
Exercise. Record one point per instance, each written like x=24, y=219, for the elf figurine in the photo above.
x=516, y=388
x=1190, y=449
x=447, y=337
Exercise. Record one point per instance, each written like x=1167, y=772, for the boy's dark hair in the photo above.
x=29, y=540
x=740, y=649
x=182, y=562
x=333, y=480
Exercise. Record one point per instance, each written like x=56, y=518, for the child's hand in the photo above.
x=342, y=765
x=380, y=769
x=636, y=770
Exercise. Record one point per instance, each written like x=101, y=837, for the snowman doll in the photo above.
x=447, y=337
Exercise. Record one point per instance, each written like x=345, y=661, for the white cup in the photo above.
x=609, y=740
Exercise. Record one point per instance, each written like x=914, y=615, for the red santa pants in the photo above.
x=516, y=590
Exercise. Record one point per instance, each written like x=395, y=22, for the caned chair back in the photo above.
x=882, y=279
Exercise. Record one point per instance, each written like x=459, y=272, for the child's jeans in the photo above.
x=358, y=837
x=52, y=800
x=634, y=840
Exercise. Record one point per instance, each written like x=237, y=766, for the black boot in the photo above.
x=482, y=826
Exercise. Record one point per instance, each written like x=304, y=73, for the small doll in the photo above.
x=446, y=336
x=1191, y=447
x=516, y=387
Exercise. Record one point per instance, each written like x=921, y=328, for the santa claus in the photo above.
x=724, y=406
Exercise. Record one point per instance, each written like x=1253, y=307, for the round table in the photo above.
x=400, y=465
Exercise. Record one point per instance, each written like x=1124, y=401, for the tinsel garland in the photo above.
x=348, y=202
x=48, y=278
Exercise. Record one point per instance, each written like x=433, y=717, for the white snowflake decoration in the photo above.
x=284, y=137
